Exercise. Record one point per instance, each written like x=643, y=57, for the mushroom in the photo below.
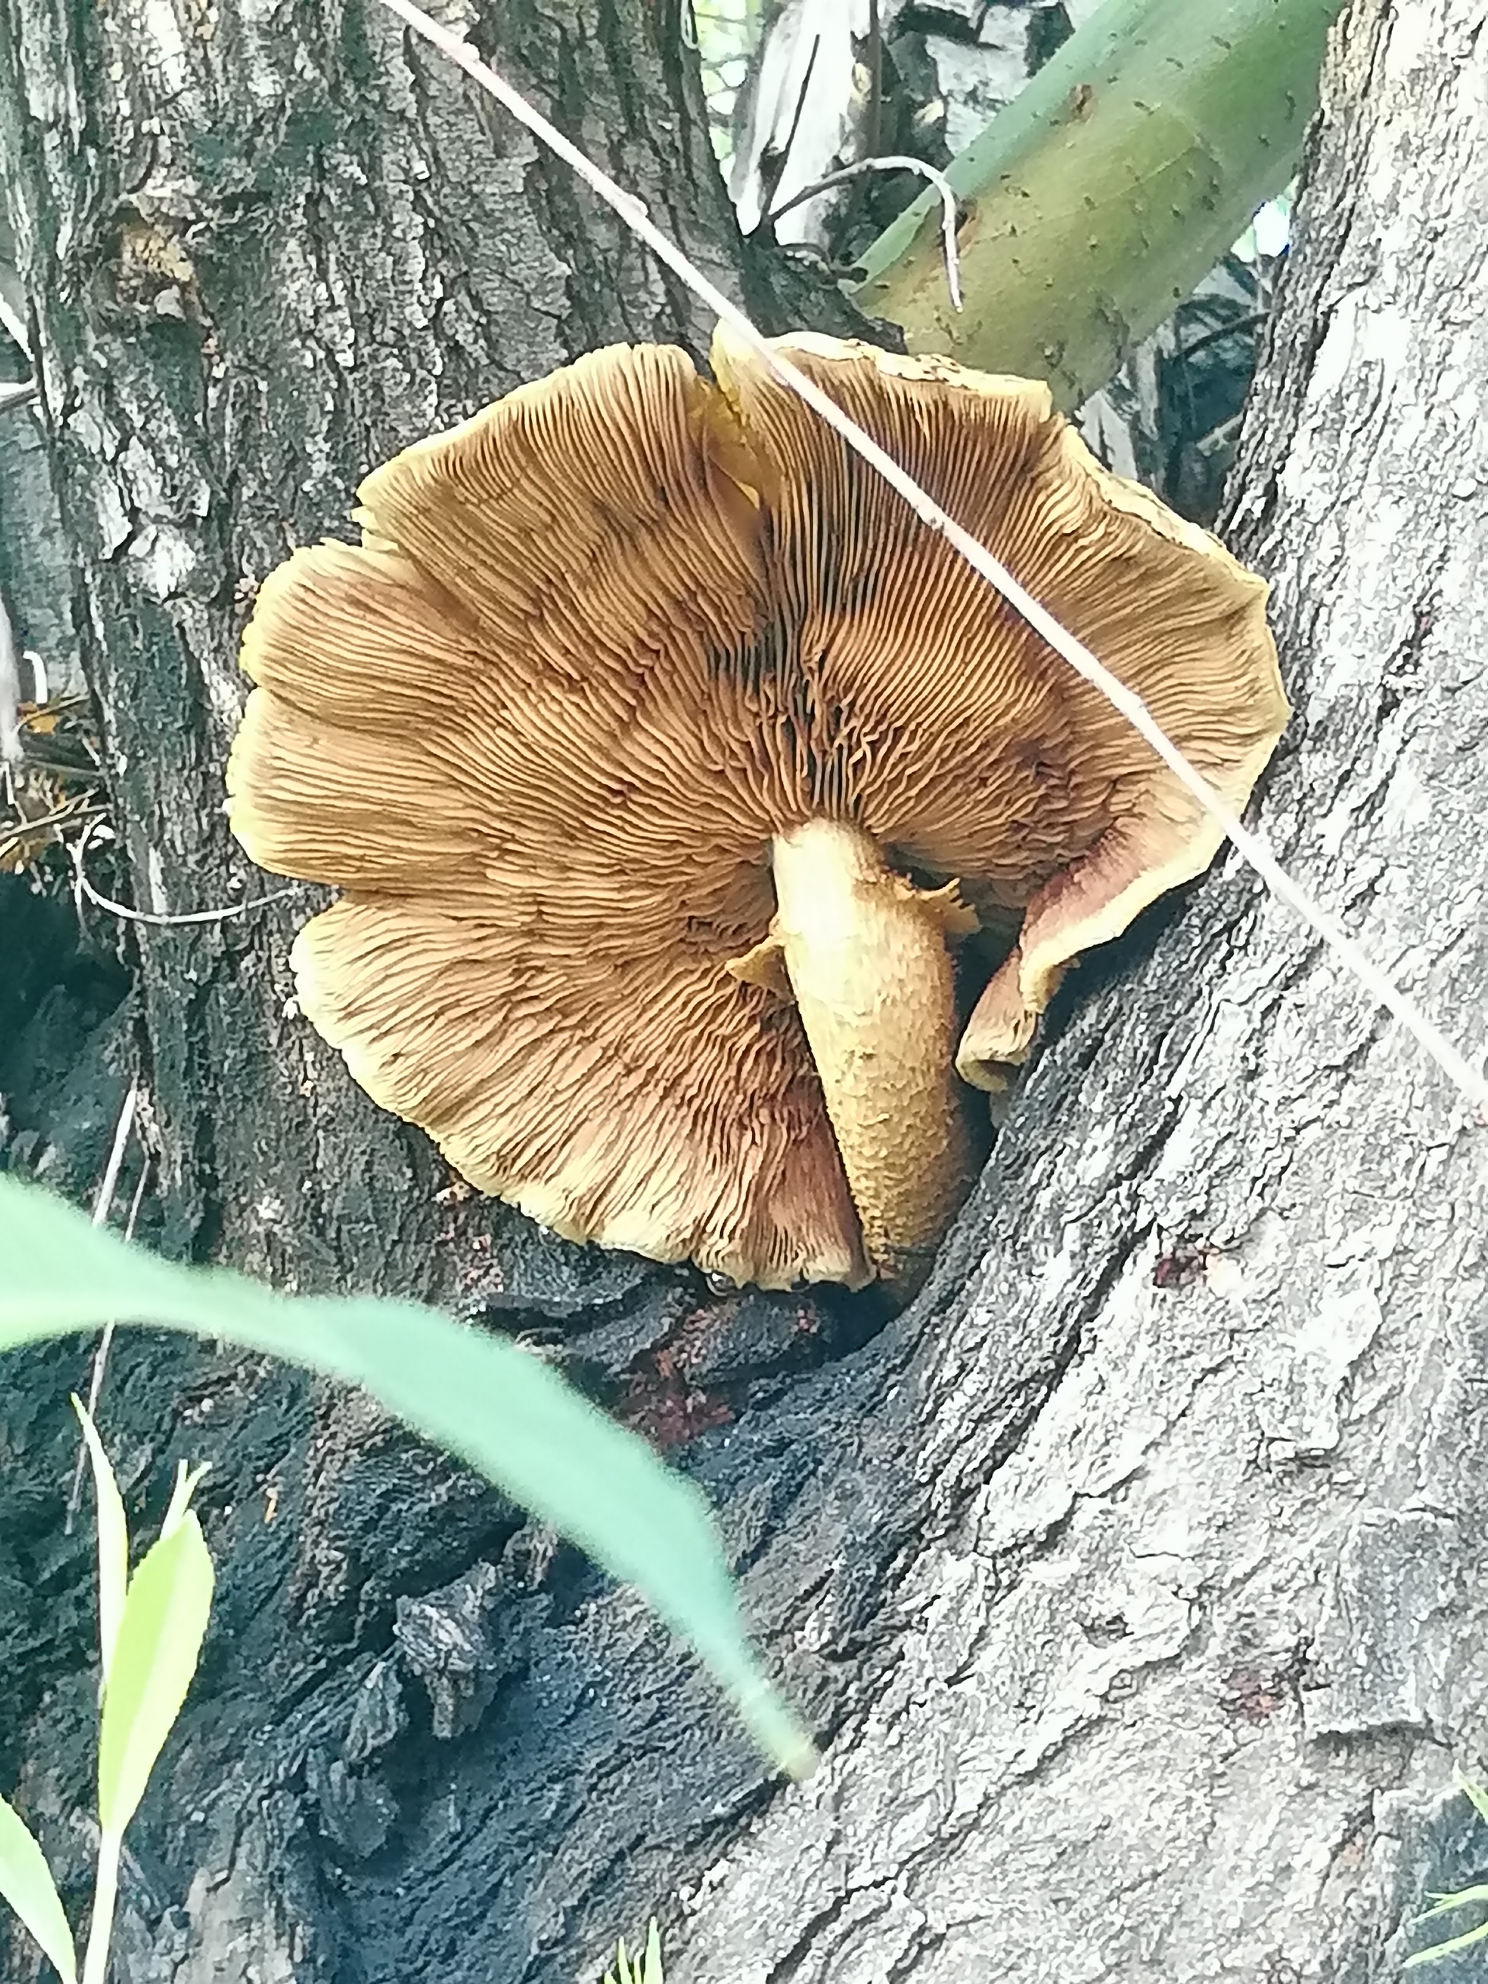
x=662, y=757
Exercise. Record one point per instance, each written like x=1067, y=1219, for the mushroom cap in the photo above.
x=597, y=648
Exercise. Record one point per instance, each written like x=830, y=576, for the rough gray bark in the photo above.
x=1173, y=1691
x=1141, y=1620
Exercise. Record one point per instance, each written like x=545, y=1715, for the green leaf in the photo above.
x=26, y=1883
x=1446, y=1904
x=627, y=1971
x=181, y=1494
x=1466, y=1941
x=155, y=1656
x=113, y=1544
x=496, y=1407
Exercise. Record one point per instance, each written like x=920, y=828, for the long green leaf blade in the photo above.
x=184, y=1488
x=26, y=1883
x=1448, y=1904
x=155, y=1656
x=1466, y=1941
x=496, y=1407
x=113, y=1544
x=638, y=1970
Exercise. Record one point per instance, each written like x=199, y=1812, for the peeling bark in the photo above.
x=1135, y=1576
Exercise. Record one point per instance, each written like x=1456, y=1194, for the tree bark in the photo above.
x=264, y=255
x=1135, y=1575
x=1168, y=1677
x=261, y=254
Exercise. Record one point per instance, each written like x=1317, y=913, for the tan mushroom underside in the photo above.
x=628, y=670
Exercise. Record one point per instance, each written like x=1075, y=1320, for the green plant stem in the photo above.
x=105, y=1895
x=1097, y=200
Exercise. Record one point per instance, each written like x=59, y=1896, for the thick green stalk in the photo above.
x=1096, y=201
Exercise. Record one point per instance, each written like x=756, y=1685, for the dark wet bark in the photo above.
x=1136, y=1574
x=262, y=253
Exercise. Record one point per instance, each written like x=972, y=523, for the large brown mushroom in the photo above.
x=659, y=753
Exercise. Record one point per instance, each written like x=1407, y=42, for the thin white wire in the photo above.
x=103, y=1205
x=896, y=162
x=103, y=1198
x=83, y=889
x=1423, y=1030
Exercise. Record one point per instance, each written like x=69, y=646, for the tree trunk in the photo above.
x=1168, y=1665
x=261, y=255
x=264, y=255
x=1135, y=1575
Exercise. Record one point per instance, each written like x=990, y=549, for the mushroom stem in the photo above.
x=868, y=964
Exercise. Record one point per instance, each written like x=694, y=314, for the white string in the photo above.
x=1428, y=1035
x=896, y=162
x=103, y=1205
x=84, y=889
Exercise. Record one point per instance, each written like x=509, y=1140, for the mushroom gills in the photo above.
x=864, y=955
